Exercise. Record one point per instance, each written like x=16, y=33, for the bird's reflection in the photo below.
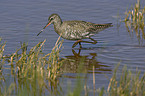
x=73, y=62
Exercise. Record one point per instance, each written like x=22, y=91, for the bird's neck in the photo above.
x=57, y=25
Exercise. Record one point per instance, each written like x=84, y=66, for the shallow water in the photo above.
x=21, y=21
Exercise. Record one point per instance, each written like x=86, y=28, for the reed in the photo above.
x=2, y=46
x=134, y=20
x=36, y=74
x=127, y=84
x=32, y=70
x=123, y=83
x=27, y=65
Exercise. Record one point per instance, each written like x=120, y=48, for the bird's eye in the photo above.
x=51, y=18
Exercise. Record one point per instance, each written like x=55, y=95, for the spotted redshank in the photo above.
x=75, y=30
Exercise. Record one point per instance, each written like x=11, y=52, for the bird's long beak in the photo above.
x=44, y=28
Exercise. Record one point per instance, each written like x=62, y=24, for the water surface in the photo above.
x=21, y=21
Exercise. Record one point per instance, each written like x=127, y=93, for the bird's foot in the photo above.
x=76, y=43
x=94, y=42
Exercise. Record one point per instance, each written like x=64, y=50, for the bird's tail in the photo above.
x=103, y=26
x=100, y=27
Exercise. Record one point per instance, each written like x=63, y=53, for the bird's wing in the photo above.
x=98, y=27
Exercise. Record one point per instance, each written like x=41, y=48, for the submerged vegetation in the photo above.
x=134, y=20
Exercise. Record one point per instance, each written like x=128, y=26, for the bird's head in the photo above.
x=53, y=18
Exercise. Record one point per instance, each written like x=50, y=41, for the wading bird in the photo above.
x=75, y=30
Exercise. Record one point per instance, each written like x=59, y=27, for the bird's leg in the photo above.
x=93, y=40
x=80, y=44
x=79, y=41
